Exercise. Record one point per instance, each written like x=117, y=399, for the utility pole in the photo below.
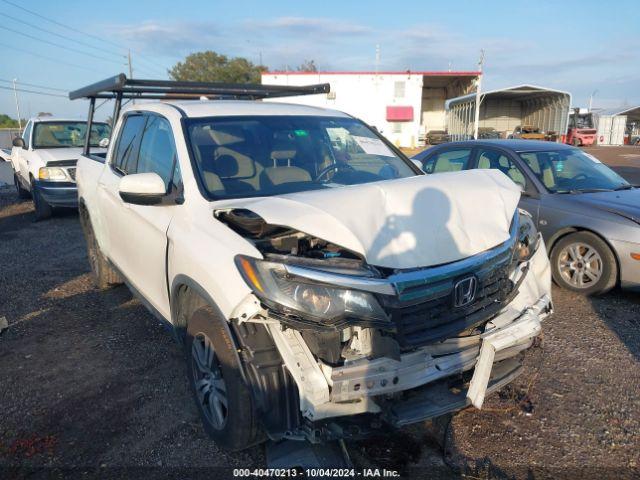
x=593, y=94
x=476, y=124
x=15, y=94
x=133, y=101
x=130, y=67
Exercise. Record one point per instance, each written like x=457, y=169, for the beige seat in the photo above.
x=280, y=175
x=213, y=183
x=448, y=165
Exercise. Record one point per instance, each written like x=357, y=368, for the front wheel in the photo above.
x=223, y=400
x=23, y=193
x=43, y=209
x=584, y=263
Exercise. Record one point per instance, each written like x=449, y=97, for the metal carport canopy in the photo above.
x=543, y=107
x=632, y=113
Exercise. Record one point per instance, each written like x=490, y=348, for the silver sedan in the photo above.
x=589, y=216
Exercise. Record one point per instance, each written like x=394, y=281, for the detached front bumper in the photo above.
x=416, y=386
x=58, y=194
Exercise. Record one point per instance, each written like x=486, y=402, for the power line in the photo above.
x=59, y=45
x=33, y=91
x=76, y=30
x=70, y=39
x=34, y=85
x=61, y=62
x=60, y=35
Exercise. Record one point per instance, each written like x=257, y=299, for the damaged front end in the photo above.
x=352, y=347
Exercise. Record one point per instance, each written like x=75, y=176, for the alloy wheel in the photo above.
x=580, y=265
x=209, y=384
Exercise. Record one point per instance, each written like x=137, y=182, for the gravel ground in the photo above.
x=91, y=384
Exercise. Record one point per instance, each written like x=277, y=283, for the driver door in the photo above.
x=138, y=233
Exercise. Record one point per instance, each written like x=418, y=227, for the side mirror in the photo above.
x=418, y=164
x=142, y=188
x=18, y=142
x=104, y=143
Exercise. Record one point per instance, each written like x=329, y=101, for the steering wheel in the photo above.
x=580, y=176
x=333, y=167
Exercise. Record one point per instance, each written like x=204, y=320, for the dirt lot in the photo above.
x=91, y=384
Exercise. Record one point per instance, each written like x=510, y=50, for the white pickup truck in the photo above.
x=322, y=286
x=44, y=160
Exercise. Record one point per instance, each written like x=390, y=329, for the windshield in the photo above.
x=572, y=170
x=271, y=155
x=67, y=134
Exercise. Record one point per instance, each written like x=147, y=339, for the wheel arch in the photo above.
x=184, y=295
x=563, y=232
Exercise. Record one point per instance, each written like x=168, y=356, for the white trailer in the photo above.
x=614, y=124
x=610, y=129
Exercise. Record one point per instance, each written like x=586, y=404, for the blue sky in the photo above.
x=578, y=46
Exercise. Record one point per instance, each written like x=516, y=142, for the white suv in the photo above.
x=322, y=287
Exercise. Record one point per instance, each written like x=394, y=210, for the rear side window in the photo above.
x=448, y=161
x=157, y=149
x=126, y=154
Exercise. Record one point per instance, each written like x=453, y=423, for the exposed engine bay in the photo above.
x=359, y=339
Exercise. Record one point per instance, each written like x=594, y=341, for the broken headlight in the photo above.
x=292, y=294
x=528, y=238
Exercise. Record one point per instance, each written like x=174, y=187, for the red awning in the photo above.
x=399, y=114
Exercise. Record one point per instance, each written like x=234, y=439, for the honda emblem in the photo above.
x=464, y=291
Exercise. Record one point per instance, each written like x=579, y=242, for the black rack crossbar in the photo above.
x=122, y=87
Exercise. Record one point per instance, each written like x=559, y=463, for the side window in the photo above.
x=448, y=161
x=126, y=153
x=158, y=149
x=493, y=159
x=26, y=135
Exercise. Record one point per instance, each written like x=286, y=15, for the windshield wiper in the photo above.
x=576, y=191
x=625, y=187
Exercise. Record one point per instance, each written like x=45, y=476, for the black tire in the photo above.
x=576, y=142
x=590, y=273
x=104, y=275
x=42, y=208
x=23, y=193
x=237, y=426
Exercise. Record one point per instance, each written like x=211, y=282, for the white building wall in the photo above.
x=365, y=96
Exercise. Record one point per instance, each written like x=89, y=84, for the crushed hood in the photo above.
x=405, y=223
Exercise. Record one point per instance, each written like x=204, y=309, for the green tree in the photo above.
x=212, y=67
x=7, y=122
x=308, y=66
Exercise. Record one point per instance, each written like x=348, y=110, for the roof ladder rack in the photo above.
x=120, y=87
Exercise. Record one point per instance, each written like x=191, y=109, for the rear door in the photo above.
x=495, y=159
x=447, y=159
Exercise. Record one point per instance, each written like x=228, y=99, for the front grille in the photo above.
x=437, y=319
x=72, y=173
